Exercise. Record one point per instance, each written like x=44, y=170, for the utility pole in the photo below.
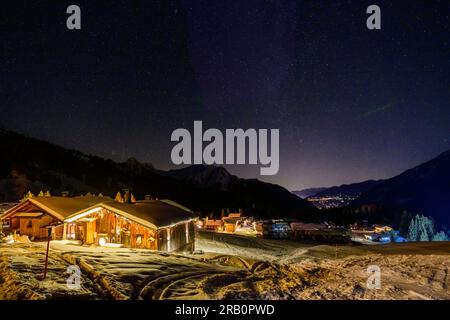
x=49, y=233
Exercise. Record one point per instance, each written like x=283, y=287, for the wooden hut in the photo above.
x=150, y=224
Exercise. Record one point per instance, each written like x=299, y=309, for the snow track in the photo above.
x=309, y=273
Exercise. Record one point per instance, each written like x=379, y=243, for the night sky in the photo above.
x=351, y=104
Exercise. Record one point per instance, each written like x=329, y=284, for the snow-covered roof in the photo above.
x=150, y=213
x=59, y=207
x=231, y=220
x=212, y=222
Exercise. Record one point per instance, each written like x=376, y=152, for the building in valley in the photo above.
x=273, y=229
x=213, y=225
x=150, y=224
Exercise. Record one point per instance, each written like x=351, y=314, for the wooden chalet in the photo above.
x=150, y=224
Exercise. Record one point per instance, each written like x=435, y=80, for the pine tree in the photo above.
x=41, y=193
x=47, y=194
x=133, y=199
x=119, y=197
x=413, y=231
x=28, y=195
x=421, y=229
x=424, y=236
x=440, y=236
x=429, y=226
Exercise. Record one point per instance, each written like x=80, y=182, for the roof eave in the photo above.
x=16, y=208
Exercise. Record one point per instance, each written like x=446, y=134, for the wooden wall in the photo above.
x=34, y=228
x=115, y=229
x=180, y=237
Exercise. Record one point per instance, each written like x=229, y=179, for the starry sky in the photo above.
x=351, y=103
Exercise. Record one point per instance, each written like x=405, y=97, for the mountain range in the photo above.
x=31, y=164
x=351, y=190
x=424, y=189
x=337, y=196
x=305, y=193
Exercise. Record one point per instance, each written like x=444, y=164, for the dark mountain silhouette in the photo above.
x=30, y=164
x=349, y=190
x=424, y=189
x=337, y=196
x=305, y=193
x=204, y=176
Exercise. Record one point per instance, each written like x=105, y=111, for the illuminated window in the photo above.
x=139, y=239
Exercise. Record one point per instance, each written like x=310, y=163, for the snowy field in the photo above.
x=228, y=267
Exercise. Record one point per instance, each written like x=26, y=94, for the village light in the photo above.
x=83, y=214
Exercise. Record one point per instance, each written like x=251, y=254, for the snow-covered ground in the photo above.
x=230, y=266
x=22, y=269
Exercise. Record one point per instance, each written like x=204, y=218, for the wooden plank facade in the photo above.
x=33, y=227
